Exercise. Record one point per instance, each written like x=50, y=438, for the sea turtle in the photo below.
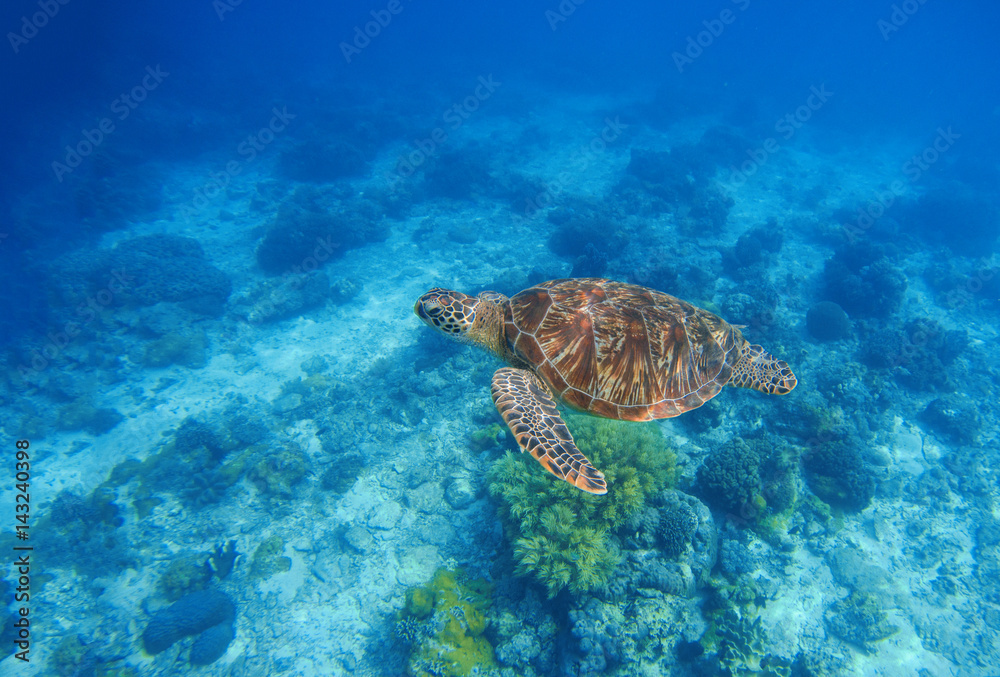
x=607, y=348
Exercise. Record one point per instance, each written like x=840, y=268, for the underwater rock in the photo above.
x=864, y=282
x=360, y=539
x=460, y=493
x=268, y=558
x=955, y=417
x=853, y=570
x=169, y=268
x=459, y=175
x=83, y=416
x=860, y=620
x=191, y=614
x=674, y=546
x=592, y=263
x=187, y=348
x=314, y=226
x=956, y=216
x=827, y=321
x=322, y=162
x=282, y=298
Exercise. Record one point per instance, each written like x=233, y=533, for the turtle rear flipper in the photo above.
x=531, y=414
x=759, y=370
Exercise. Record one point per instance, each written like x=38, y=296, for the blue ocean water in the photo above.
x=231, y=447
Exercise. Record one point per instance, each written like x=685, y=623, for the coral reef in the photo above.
x=223, y=559
x=592, y=263
x=955, y=417
x=581, y=224
x=670, y=545
x=564, y=554
x=735, y=635
x=838, y=473
x=459, y=174
x=322, y=162
x=524, y=633
x=197, y=613
x=81, y=533
x=277, y=473
x=184, y=348
x=443, y=624
x=150, y=269
x=677, y=527
x=314, y=226
x=211, y=644
x=487, y=438
x=860, y=620
x=184, y=575
x=281, y=298
x=729, y=479
x=74, y=656
x=863, y=281
x=826, y=321
x=956, y=216
x=82, y=415
x=560, y=534
x=921, y=355
x=268, y=559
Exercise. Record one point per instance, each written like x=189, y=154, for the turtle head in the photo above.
x=450, y=312
x=470, y=319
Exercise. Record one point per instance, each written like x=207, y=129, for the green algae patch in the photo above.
x=268, y=559
x=444, y=623
x=485, y=438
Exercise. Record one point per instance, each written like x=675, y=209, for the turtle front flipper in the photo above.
x=531, y=414
x=759, y=370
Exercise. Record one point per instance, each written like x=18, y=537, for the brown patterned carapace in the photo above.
x=608, y=348
x=619, y=350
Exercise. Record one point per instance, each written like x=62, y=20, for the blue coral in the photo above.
x=192, y=614
x=864, y=282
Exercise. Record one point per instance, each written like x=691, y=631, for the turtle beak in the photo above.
x=426, y=306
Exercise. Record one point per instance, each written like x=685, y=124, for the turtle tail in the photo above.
x=759, y=370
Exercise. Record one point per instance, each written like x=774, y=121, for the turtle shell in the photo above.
x=619, y=350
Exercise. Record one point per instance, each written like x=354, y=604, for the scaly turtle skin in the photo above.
x=606, y=348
